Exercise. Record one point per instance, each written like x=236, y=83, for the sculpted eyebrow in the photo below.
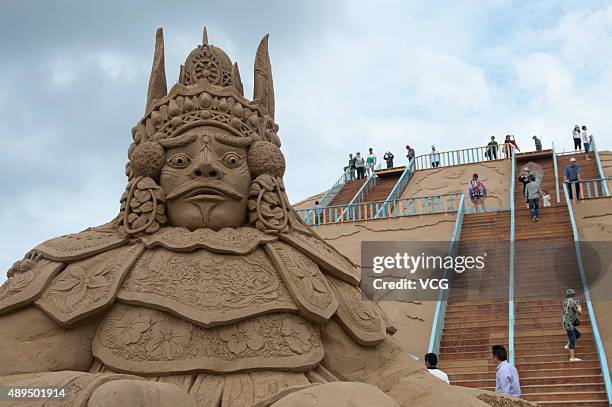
x=233, y=140
x=178, y=141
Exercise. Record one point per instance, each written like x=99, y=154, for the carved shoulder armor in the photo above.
x=81, y=245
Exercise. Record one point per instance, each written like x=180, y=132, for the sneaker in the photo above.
x=575, y=360
x=566, y=347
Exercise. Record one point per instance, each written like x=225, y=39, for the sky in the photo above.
x=348, y=75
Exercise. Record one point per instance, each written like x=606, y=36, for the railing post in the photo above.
x=593, y=145
x=601, y=352
x=511, y=264
x=438, y=319
x=556, y=167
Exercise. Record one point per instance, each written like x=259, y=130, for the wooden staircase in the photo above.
x=386, y=180
x=545, y=266
x=477, y=309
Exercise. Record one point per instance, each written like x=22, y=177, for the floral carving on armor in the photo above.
x=168, y=341
x=171, y=344
x=205, y=286
x=130, y=327
x=239, y=337
x=297, y=336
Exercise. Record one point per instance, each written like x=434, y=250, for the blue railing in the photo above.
x=602, y=175
x=556, y=167
x=363, y=191
x=458, y=157
x=511, y=264
x=438, y=320
x=329, y=195
x=399, y=186
x=589, y=188
x=603, y=361
x=362, y=211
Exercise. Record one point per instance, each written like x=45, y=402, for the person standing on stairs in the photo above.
x=370, y=162
x=506, y=377
x=571, y=310
x=533, y=192
x=546, y=199
x=524, y=178
x=585, y=141
x=478, y=193
x=431, y=363
x=410, y=153
x=576, y=134
x=573, y=177
x=492, y=149
x=538, y=143
x=388, y=157
x=359, y=165
x=434, y=157
x=351, y=167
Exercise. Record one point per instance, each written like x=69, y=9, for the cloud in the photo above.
x=348, y=75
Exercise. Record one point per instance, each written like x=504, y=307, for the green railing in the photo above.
x=438, y=319
x=603, y=361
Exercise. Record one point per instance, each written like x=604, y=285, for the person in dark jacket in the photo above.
x=388, y=157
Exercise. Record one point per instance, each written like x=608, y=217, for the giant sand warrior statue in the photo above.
x=207, y=289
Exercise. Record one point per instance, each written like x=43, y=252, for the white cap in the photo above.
x=572, y=159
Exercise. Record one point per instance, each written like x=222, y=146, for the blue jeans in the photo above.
x=534, y=207
x=573, y=335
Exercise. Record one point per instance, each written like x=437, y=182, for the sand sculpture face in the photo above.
x=206, y=180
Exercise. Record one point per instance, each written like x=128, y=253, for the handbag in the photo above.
x=576, y=322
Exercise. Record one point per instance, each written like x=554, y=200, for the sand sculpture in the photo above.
x=207, y=289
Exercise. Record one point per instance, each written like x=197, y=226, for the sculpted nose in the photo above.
x=207, y=169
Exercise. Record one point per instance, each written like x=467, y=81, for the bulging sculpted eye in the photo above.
x=179, y=160
x=232, y=159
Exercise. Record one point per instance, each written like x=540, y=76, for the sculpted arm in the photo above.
x=30, y=342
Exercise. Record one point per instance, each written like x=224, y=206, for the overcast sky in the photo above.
x=348, y=75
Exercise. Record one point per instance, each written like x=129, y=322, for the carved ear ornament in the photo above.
x=268, y=209
x=143, y=207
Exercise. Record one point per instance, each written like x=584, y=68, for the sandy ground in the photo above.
x=594, y=220
x=413, y=319
x=495, y=175
x=606, y=162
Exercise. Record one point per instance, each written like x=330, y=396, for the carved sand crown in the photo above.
x=209, y=92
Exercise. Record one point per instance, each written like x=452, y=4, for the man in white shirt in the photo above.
x=431, y=363
x=506, y=378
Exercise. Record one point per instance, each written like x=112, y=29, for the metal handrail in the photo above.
x=603, y=361
x=556, y=167
x=589, y=188
x=359, y=196
x=415, y=206
x=399, y=186
x=463, y=156
x=602, y=175
x=438, y=319
x=511, y=316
